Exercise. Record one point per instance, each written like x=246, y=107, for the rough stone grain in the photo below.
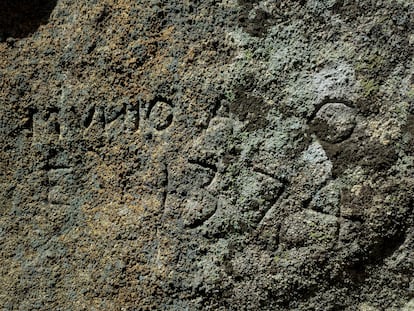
x=207, y=155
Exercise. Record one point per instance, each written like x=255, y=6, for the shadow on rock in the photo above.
x=18, y=19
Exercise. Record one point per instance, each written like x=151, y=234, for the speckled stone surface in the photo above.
x=207, y=155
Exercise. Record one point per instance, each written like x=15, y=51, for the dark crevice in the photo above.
x=281, y=192
x=165, y=186
x=89, y=117
x=257, y=26
x=102, y=15
x=386, y=248
x=270, y=204
x=199, y=222
x=329, y=101
x=203, y=164
x=18, y=19
x=167, y=123
x=135, y=110
x=112, y=115
x=271, y=175
x=29, y=119
x=58, y=167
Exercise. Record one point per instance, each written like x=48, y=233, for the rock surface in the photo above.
x=207, y=155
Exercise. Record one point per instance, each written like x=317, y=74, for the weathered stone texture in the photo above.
x=207, y=155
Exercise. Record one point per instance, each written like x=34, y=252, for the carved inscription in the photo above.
x=210, y=171
x=160, y=114
x=200, y=209
x=46, y=126
x=60, y=180
x=110, y=120
x=334, y=122
x=113, y=119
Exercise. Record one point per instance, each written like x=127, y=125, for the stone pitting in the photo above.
x=207, y=155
